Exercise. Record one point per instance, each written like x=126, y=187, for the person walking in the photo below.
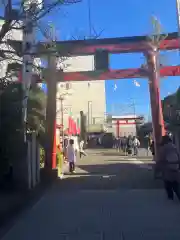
x=114, y=142
x=169, y=160
x=124, y=144
x=130, y=145
x=71, y=155
x=81, y=149
x=152, y=149
x=118, y=144
x=136, y=145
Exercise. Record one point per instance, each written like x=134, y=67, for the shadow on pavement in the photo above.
x=13, y=203
x=110, y=177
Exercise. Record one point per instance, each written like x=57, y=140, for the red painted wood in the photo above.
x=115, y=74
x=118, y=74
x=170, y=71
x=54, y=150
x=126, y=119
x=106, y=75
x=124, y=123
x=117, y=128
x=119, y=47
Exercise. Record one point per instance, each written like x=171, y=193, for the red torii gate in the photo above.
x=115, y=46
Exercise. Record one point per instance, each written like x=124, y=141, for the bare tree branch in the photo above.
x=47, y=7
x=8, y=54
x=6, y=26
x=82, y=36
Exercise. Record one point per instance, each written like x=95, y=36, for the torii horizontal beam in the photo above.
x=112, y=74
x=112, y=45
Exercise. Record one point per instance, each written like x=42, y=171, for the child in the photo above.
x=71, y=155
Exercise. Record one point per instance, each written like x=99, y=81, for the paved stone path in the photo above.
x=108, y=198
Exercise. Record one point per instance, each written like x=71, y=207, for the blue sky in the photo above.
x=122, y=18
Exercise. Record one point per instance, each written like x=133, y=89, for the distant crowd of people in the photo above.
x=129, y=145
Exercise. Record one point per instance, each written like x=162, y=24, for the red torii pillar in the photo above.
x=50, y=160
x=154, y=89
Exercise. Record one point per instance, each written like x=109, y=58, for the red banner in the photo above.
x=70, y=126
x=74, y=127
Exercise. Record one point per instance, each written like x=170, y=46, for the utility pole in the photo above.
x=30, y=9
x=89, y=113
x=89, y=18
x=134, y=108
x=61, y=98
x=178, y=15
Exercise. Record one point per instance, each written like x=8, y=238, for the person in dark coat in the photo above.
x=130, y=145
x=124, y=144
x=169, y=162
x=152, y=149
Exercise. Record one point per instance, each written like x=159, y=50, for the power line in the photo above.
x=90, y=27
x=89, y=18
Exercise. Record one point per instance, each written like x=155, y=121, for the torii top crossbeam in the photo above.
x=112, y=45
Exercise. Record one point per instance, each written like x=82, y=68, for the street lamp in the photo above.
x=89, y=113
x=61, y=98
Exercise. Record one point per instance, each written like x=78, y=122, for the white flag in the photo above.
x=136, y=83
x=115, y=87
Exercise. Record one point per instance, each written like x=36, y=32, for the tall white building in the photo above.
x=88, y=97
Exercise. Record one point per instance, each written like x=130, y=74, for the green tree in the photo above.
x=11, y=122
x=11, y=107
x=36, y=109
